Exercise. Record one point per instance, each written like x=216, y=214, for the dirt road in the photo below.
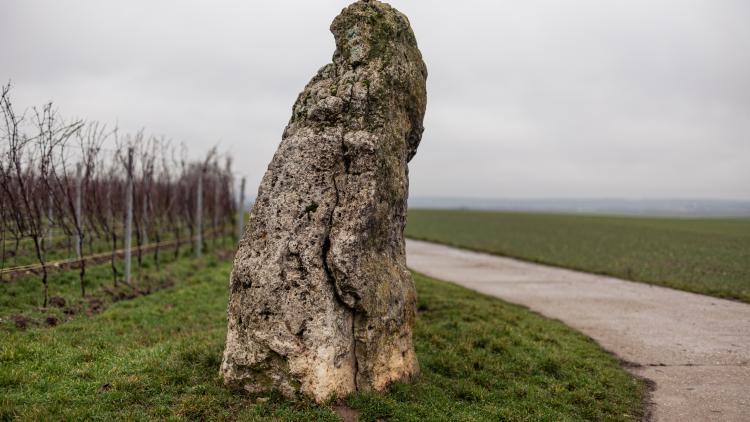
x=695, y=348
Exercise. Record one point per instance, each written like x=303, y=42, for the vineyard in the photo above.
x=78, y=193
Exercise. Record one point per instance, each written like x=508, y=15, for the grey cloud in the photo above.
x=583, y=98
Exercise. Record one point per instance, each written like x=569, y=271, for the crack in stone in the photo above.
x=332, y=279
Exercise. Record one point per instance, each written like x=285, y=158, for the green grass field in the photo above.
x=708, y=256
x=157, y=357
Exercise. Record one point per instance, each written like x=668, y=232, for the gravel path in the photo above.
x=695, y=348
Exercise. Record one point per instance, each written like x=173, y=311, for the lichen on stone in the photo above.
x=321, y=302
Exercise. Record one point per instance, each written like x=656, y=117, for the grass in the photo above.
x=157, y=357
x=63, y=247
x=22, y=298
x=708, y=256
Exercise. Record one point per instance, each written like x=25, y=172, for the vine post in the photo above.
x=128, y=214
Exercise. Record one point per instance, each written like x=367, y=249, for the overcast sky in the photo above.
x=526, y=99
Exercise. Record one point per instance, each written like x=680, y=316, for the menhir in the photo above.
x=321, y=300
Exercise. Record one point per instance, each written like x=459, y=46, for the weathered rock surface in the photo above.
x=321, y=301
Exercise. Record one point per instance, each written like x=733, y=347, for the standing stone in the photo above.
x=321, y=300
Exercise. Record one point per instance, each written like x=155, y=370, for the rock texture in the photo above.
x=321, y=301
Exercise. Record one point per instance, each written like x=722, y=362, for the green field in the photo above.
x=708, y=256
x=156, y=356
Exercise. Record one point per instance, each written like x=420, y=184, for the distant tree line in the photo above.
x=68, y=185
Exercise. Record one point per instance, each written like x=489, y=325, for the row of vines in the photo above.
x=69, y=189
